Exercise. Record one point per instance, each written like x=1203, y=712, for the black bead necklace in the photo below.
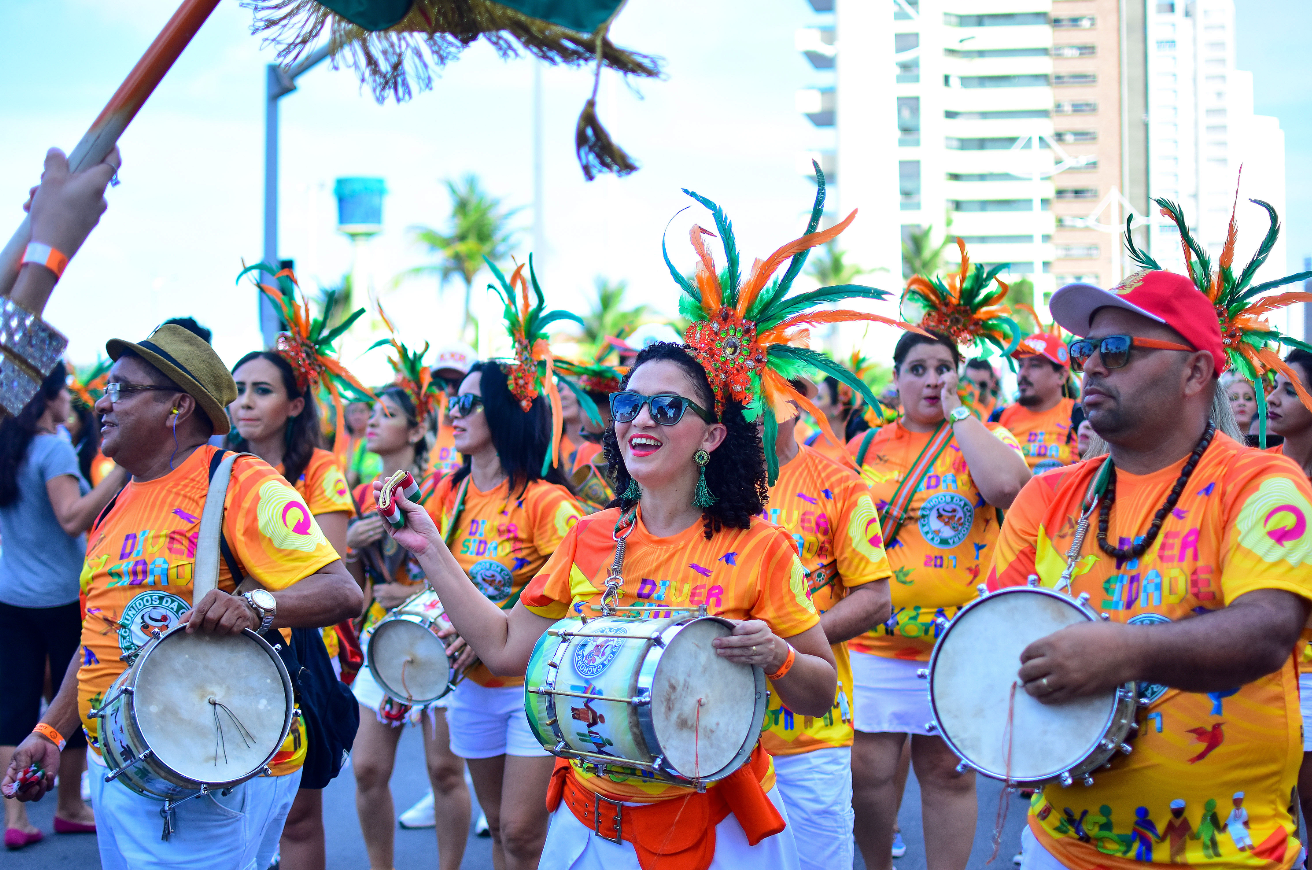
x=1109, y=498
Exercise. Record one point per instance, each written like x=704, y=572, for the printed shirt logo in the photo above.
x=594, y=655
x=863, y=528
x=146, y=615
x=492, y=579
x=1149, y=692
x=334, y=486
x=946, y=519
x=285, y=520
x=1273, y=523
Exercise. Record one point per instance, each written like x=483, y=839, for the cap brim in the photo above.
x=1074, y=305
x=213, y=409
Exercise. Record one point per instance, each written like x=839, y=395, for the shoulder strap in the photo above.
x=210, y=539
x=895, y=514
x=865, y=447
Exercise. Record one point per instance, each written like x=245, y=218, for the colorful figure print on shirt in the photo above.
x=1046, y=439
x=828, y=510
x=941, y=552
x=1230, y=533
x=444, y=459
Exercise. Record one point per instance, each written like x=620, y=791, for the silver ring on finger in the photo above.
x=1044, y=683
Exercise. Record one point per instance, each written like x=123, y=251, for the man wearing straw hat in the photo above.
x=165, y=398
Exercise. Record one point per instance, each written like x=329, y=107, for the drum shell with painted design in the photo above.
x=410, y=632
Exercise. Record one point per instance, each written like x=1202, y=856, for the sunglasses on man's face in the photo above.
x=1115, y=349
x=465, y=404
x=666, y=409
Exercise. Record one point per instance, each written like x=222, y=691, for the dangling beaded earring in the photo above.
x=703, y=498
x=632, y=493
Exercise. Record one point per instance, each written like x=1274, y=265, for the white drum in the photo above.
x=406, y=657
x=987, y=717
x=195, y=712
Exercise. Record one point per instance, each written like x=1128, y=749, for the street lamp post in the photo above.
x=279, y=82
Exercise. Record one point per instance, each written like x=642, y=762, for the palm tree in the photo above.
x=921, y=255
x=478, y=227
x=607, y=314
x=831, y=267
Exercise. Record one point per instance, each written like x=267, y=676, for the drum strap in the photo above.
x=895, y=514
x=206, y=573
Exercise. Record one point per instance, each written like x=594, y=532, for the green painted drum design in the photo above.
x=194, y=713
x=644, y=697
x=407, y=658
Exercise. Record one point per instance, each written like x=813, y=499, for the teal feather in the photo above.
x=797, y=304
x=1263, y=250
x=819, y=361
x=1139, y=256
x=728, y=287
x=799, y=259
x=769, y=440
x=684, y=284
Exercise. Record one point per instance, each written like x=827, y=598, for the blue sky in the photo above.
x=189, y=209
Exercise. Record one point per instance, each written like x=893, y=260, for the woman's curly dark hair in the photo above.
x=736, y=472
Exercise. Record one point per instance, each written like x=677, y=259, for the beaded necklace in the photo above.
x=1108, y=498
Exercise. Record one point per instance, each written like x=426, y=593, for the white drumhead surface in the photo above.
x=409, y=660
x=974, y=671
x=172, y=702
x=702, y=740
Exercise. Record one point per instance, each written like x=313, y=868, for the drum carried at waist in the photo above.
x=650, y=695
x=195, y=713
x=407, y=658
x=987, y=717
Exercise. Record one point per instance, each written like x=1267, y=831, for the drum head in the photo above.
x=409, y=661
x=211, y=708
x=703, y=705
x=971, y=688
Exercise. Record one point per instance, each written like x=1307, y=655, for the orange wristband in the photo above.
x=49, y=733
x=786, y=666
x=44, y=255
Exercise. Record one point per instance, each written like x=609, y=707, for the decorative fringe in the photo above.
x=702, y=498
x=597, y=152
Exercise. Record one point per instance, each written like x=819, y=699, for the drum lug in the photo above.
x=964, y=767
x=267, y=771
x=1083, y=598
x=1088, y=780
x=1105, y=616
x=931, y=727
x=1134, y=726
x=1065, y=780
x=1032, y=580
x=941, y=622
x=922, y=674
x=982, y=589
x=1125, y=748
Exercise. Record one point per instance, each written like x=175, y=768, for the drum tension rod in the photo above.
x=637, y=702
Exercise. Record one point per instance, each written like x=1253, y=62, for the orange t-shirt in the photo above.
x=1239, y=526
x=503, y=541
x=100, y=467
x=444, y=458
x=942, y=550
x=827, y=509
x=323, y=486
x=751, y=573
x=822, y=445
x=137, y=576
x=1046, y=438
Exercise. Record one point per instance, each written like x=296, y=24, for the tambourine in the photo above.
x=387, y=506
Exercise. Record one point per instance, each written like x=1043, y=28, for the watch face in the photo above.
x=263, y=599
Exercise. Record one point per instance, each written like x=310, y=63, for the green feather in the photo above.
x=1201, y=273
x=684, y=284
x=690, y=309
x=769, y=438
x=729, y=288
x=819, y=361
x=1263, y=250
x=797, y=304
x=555, y=317
x=1139, y=256
x=341, y=328
x=586, y=404
x=1259, y=289
x=799, y=259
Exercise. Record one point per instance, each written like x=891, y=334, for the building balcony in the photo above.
x=822, y=5
x=818, y=104
x=817, y=44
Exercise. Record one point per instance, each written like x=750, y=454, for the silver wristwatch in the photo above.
x=959, y=413
x=264, y=605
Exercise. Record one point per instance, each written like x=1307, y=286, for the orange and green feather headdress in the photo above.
x=750, y=335
x=1251, y=342
x=87, y=385
x=307, y=345
x=964, y=306
x=412, y=375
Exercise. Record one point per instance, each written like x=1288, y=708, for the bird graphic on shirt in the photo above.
x=1210, y=738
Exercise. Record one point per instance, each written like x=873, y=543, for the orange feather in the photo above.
x=776, y=333
x=965, y=267
x=712, y=296
x=1273, y=361
x=762, y=271
x=1231, y=236
x=1280, y=300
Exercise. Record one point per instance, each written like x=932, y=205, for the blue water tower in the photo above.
x=360, y=206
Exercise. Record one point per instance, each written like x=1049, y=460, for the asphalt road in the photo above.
x=416, y=850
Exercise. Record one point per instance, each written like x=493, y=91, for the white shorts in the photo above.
x=816, y=787
x=370, y=694
x=888, y=695
x=233, y=832
x=1033, y=855
x=485, y=723
x=1305, y=705
x=572, y=845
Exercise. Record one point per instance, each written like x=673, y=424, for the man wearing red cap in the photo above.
x=1041, y=417
x=1196, y=551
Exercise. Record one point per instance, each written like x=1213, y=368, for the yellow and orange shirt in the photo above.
x=140, y=556
x=444, y=458
x=1240, y=525
x=386, y=561
x=828, y=510
x=502, y=539
x=1046, y=438
x=942, y=551
x=323, y=486
x=751, y=573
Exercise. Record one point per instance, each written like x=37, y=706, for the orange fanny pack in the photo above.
x=680, y=832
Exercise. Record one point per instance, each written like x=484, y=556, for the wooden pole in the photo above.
x=113, y=120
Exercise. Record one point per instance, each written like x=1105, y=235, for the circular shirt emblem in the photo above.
x=594, y=655
x=1148, y=692
x=147, y=615
x=492, y=579
x=1046, y=465
x=945, y=520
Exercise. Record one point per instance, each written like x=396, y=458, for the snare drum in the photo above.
x=645, y=694
x=195, y=712
x=405, y=655
x=987, y=717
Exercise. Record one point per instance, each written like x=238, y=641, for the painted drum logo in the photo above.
x=492, y=579
x=945, y=520
x=147, y=615
x=594, y=655
x=1149, y=692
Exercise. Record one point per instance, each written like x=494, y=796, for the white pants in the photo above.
x=487, y=722
x=1033, y=855
x=1305, y=704
x=571, y=845
x=816, y=787
x=214, y=832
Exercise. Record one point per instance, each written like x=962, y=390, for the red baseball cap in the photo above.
x=1164, y=297
x=1046, y=345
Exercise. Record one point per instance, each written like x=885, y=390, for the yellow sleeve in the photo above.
x=1266, y=543
x=270, y=528
x=325, y=485
x=858, y=540
x=553, y=513
x=549, y=593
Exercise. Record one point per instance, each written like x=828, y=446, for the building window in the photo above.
x=1071, y=222
x=908, y=178
x=1066, y=136
x=1166, y=45
x=1075, y=78
x=1213, y=114
x=1165, y=7
x=976, y=205
x=1216, y=47
x=1025, y=268
x=1089, y=166
x=1030, y=81
x=1002, y=240
x=999, y=143
x=980, y=53
x=1079, y=22
x=908, y=71
x=1006, y=115
x=1217, y=129
x=1007, y=19
x=905, y=42
x=1068, y=193
x=908, y=121
x=1078, y=252
x=900, y=8
x=1074, y=50
x=1166, y=78
x=1079, y=107
x=981, y=176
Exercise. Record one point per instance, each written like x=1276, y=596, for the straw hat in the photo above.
x=190, y=363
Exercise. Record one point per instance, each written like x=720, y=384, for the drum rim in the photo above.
x=155, y=762
x=423, y=622
x=1114, y=708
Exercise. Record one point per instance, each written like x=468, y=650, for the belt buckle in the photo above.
x=597, y=801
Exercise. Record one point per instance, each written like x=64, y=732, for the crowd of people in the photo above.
x=730, y=471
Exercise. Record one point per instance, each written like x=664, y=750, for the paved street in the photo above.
x=416, y=850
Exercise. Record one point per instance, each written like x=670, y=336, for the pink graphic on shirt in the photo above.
x=1283, y=531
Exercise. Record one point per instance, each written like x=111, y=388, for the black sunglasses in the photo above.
x=667, y=409
x=465, y=404
x=1115, y=349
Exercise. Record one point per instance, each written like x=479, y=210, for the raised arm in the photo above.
x=998, y=470
x=76, y=512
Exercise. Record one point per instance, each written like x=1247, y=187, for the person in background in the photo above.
x=449, y=369
x=1243, y=404
x=1084, y=438
x=836, y=402
x=45, y=507
x=983, y=378
x=204, y=333
x=83, y=425
x=362, y=466
x=1041, y=419
x=585, y=465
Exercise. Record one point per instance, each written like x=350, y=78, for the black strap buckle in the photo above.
x=617, y=818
